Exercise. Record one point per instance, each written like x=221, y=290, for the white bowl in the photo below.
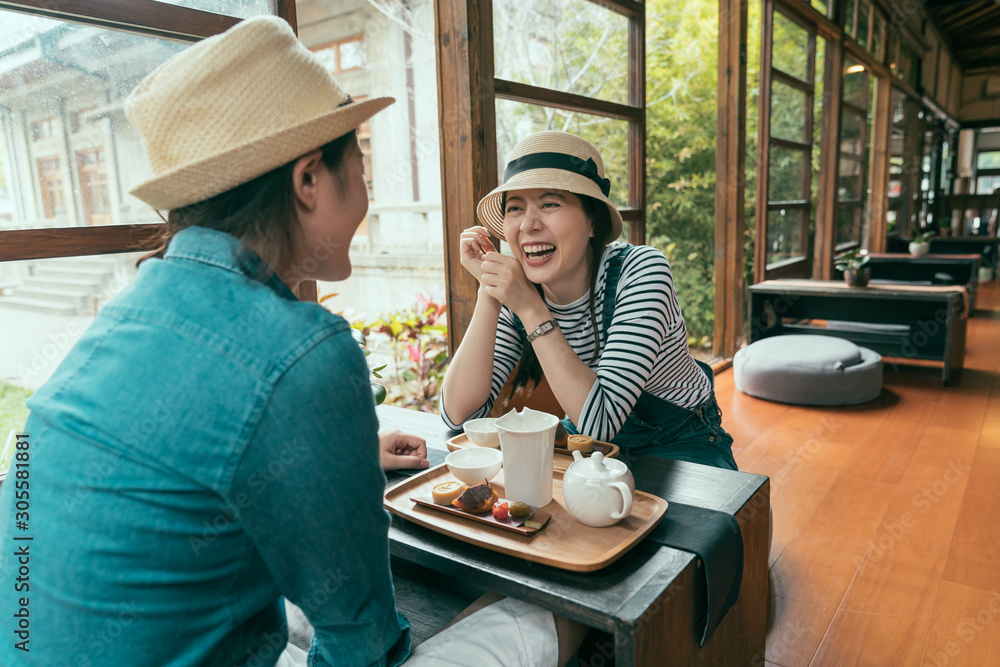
x=483, y=432
x=474, y=465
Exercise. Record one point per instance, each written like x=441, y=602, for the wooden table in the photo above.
x=984, y=246
x=647, y=599
x=903, y=268
x=910, y=322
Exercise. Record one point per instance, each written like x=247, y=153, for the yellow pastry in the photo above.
x=446, y=492
x=582, y=442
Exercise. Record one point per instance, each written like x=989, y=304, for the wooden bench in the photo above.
x=902, y=322
x=927, y=270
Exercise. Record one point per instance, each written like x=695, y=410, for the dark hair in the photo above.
x=260, y=212
x=529, y=371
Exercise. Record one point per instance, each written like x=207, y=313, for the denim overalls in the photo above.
x=656, y=426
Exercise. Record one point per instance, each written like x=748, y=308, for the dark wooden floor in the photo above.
x=886, y=545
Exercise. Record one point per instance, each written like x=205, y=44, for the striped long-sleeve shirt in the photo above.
x=645, y=349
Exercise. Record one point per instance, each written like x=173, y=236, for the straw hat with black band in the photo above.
x=556, y=160
x=233, y=107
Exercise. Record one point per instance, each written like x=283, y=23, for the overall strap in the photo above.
x=611, y=277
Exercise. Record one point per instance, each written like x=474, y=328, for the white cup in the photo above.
x=527, y=439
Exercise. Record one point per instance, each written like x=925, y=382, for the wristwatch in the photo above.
x=543, y=328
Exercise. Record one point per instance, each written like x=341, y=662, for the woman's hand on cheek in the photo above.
x=474, y=244
x=504, y=280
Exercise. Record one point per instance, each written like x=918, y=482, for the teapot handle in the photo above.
x=626, y=496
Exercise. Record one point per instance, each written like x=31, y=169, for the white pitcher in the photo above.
x=527, y=440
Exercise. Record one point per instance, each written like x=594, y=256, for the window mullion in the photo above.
x=146, y=17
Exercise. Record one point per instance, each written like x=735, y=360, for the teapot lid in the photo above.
x=598, y=467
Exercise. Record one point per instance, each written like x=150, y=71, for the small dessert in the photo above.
x=501, y=511
x=446, y=492
x=477, y=499
x=519, y=510
x=584, y=443
x=561, y=436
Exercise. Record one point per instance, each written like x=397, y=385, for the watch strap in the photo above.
x=542, y=329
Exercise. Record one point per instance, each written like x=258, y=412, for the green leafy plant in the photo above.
x=415, y=341
x=924, y=237
x=852, y=260
x=378, y=390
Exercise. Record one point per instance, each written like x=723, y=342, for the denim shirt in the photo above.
x=208, y=446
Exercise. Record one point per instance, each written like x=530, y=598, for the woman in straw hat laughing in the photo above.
x=211, y=443
x=597, y=317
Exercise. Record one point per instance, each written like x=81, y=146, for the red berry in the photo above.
x=500, y=511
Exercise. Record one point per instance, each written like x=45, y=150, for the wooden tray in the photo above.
x=563, y=457
x=564, y=543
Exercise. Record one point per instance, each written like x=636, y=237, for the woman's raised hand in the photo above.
x=475, y=243
x=503, y=279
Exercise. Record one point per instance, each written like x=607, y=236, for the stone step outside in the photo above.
x=55, y=296
x=96, y=274
x=57, y=288
x=40, y=305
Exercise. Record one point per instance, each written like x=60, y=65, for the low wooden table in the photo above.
x=984, y=246
x=888, y=268
x=911, y=322
x=647, y=599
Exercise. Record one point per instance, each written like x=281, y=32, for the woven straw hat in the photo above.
x=234, y=107
x=556, y=160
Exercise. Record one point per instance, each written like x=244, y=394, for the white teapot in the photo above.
x=598, y=491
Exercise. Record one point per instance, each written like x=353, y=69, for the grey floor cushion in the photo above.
x=808, y=370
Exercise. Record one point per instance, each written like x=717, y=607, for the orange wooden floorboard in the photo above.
x=886, y=547
x=965, y=629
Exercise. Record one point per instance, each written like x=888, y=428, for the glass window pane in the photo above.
x=45, y=306
x=784, y=235
x=984, y=185
x=397, y=251
x=855, y=82
x=852, y=132
x=516, y=120
x=850, y=179
x=849, y=224
x=786, y=175
x=243, y=9
x=68, y=152
x=821, y=6
x=681, y=134
x=878, y=25
x=849, y=17
x=988, y=160
x=788, y=112
x=863, y=9
x=573, y=46
x=790, y=47
x=353, y=54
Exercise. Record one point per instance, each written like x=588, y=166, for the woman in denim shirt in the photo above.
x=211, y=444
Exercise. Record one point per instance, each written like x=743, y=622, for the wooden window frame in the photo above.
x=793, y=266
x=467, y=94
x=145, y=17
x=857, y=205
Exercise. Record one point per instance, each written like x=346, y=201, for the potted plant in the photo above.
x=853, y=264
x=921, y=243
